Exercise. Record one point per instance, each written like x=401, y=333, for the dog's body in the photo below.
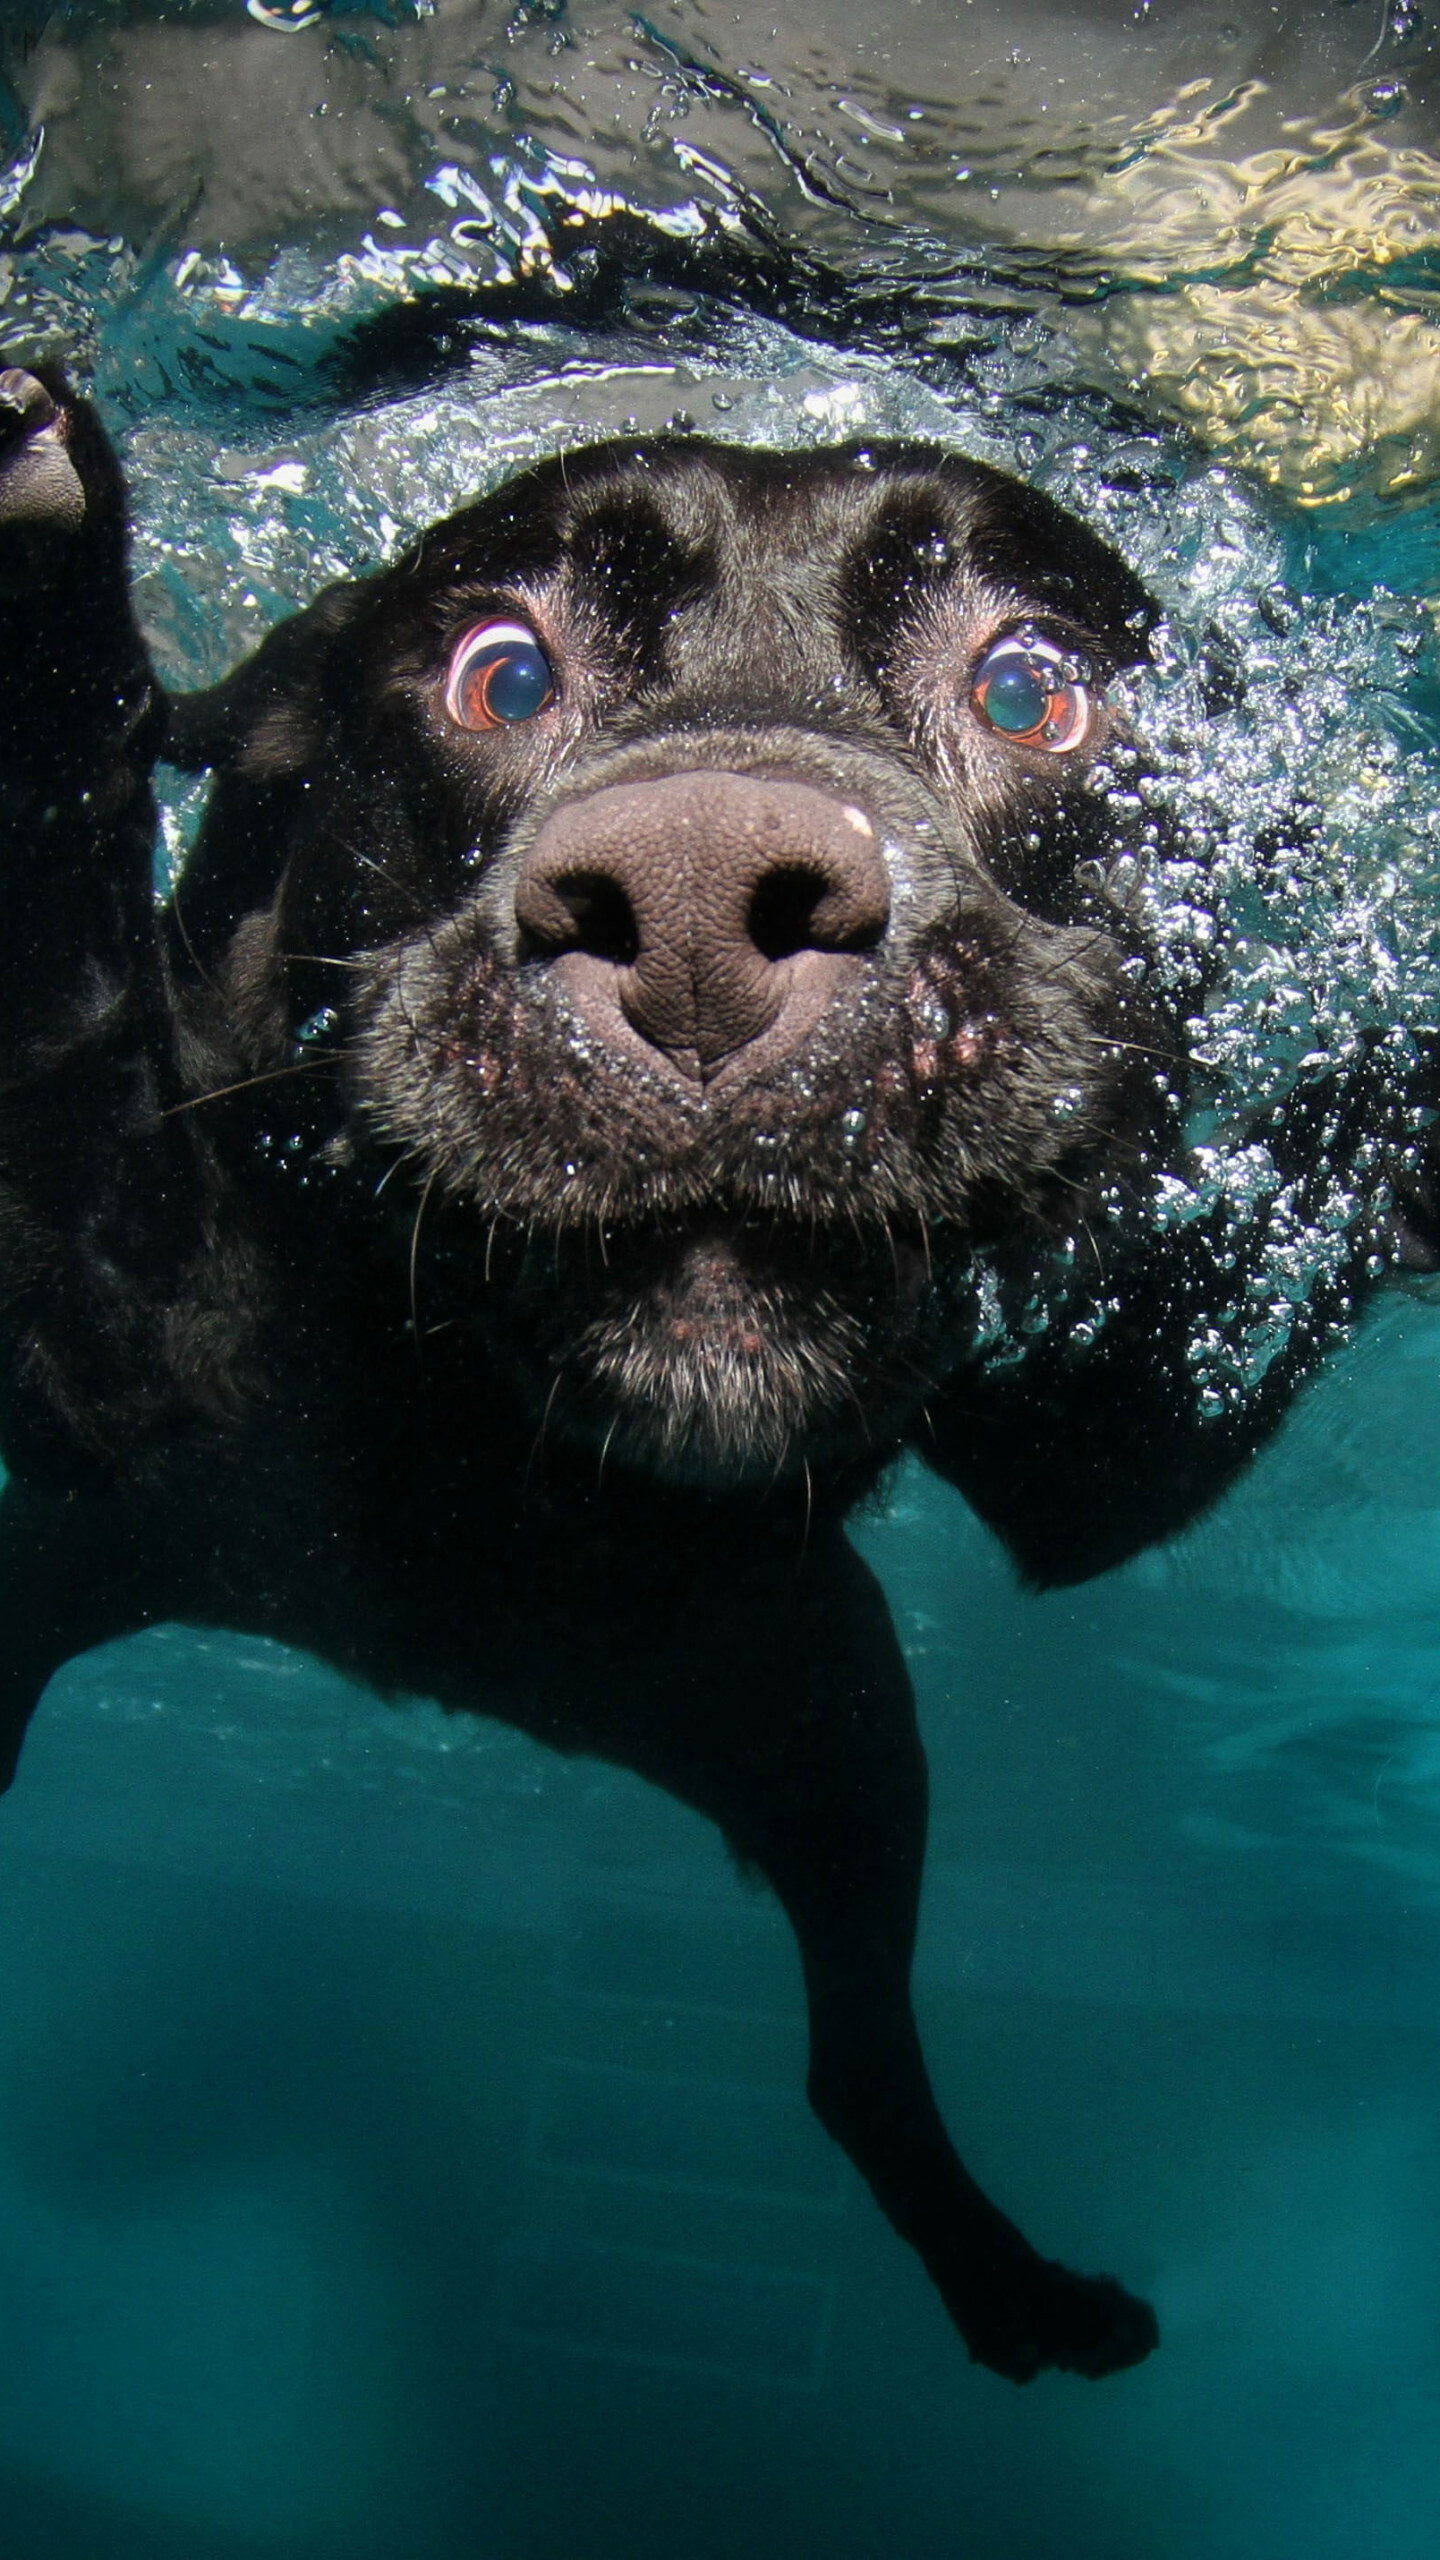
x=647, y=991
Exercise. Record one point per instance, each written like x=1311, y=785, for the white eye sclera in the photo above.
x=499, y=674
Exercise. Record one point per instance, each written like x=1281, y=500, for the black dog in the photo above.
x=650, y=1005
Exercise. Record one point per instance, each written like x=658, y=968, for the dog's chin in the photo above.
x=710, y=1413
x=714, y=1372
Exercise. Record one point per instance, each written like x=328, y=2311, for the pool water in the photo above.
x=403, y=2150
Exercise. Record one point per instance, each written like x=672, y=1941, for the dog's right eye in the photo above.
x=498, y=674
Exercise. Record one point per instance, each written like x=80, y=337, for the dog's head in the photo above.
x=730, y=842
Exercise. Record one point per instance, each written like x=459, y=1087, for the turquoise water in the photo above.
x=403, y=2151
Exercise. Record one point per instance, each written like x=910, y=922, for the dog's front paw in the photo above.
x=42, y=496
x=1031, y=2316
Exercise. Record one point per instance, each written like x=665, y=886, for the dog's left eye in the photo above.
x=498, y=674
x=1034, y=692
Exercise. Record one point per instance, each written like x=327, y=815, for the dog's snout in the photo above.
x=705, y=910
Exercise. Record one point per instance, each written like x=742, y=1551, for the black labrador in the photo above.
x=649, y=1008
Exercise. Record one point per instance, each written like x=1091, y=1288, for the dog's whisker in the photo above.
x=420, y=1208
x=243, y=1084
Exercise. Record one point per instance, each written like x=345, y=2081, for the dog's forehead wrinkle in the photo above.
x=770, y=619
x=759, y=519
x=745, y=559
x=774, y=644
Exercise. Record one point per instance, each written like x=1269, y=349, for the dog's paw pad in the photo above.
x=42, y=500
x=25, y=404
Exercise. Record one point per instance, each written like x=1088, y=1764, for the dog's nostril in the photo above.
x=584, y=911
x=795, y=908
x=782, y=910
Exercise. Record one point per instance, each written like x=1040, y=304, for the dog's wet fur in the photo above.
x=541, y=1167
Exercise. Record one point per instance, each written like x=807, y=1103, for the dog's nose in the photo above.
x=706, y=908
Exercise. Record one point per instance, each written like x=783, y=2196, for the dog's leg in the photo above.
x=792, y=1724
x=101, y=1186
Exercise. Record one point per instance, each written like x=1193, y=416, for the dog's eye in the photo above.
x=1034, y=692
x=498, y=674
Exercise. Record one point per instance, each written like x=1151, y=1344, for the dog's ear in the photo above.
x=265, y=721
x=263, y=733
